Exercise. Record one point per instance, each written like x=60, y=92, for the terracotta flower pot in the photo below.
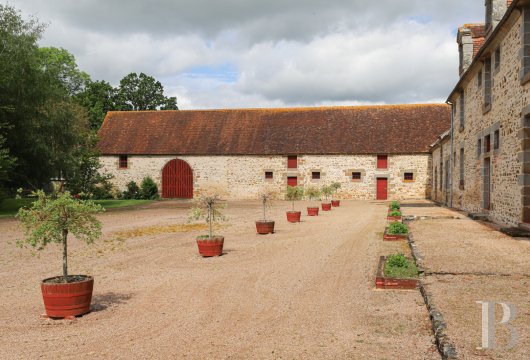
x=67, y=299
x=265, y=227
x=335, y=203
x=312, y=211
x=210, y=247
x=294, y=216
x=326, y=207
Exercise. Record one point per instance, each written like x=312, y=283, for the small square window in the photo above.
x=269, y=175
x=292, y=162
x=408, y=176
x=315, y=175
x=124, y=162
x=496, y=139
x=479, y=78
x=356, y=176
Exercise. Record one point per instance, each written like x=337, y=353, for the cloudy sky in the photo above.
x=266, y=53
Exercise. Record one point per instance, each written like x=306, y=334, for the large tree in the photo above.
x=143, y=92
x=61, y=70
x=98, y=98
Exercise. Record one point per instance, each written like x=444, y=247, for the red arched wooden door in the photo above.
x=177, y=180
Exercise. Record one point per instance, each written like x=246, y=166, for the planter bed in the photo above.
x=383, y=282
x=393, y=218
x=394, y=237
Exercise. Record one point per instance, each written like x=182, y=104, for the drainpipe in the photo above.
x=451, y=154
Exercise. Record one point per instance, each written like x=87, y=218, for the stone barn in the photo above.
x=375, y=152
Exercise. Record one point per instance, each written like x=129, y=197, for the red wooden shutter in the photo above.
x=382, y=161
x=292, y=181
x=292, y=162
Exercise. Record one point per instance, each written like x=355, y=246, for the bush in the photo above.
x=397, y=228
x=398, y=266
x=103, y=191
x=312, y=192
x=327, y=191
x=294, y=193
x=149, y=190
x=132, y=192
x=395, y=206
x=395, y=213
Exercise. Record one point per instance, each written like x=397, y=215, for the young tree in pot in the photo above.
x=265, y=226
x=294, y=193
x=51, y=219
x=208, y=207
x=326, y=191
x=313, y=193
x=335, y=187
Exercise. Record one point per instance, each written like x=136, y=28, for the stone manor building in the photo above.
x=472, y=153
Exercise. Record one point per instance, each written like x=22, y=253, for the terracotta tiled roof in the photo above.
x=325, y=130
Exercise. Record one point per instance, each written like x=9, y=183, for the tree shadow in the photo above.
x=101, y=302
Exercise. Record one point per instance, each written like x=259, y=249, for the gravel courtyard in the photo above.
x=306, y=292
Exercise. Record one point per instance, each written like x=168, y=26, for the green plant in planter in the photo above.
x=335, y=187
x=266, y=197
x=294, y=193
x=313, y=193
x=327, y=191
x=395, y=206
x=395, y=213
x=397, y=228
x=398, y=266
x=50, y=219
x=208, y=206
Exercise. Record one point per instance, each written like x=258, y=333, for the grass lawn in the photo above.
x=9, y=207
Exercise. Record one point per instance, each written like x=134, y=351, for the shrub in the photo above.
x=395, y=206
x=208, y=206
x=294, y=193
x=398, y=266
x=397, y=228
x=335, y=187
x=312, y=193
x=148, y=189
x=103, y=191
x=132, y=192
x=266, y=197
x=327, y=191
x=395, y=213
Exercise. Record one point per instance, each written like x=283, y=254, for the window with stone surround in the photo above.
x=408, y=176
x=479, y=148
x=356, y=176
x=269, y=175
x=124, y=162
x=461, y=107
x=496, y=139
x=525, y=51
x=498, y=58
x=315, y=175
x=292, y=162
x=479, y=79
x=487, y=143
x=487, y=84
x=462, y=158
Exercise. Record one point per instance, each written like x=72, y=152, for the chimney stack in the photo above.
x=470, y=39
x=495, y=10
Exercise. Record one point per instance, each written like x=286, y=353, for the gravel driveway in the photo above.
x=306, y=292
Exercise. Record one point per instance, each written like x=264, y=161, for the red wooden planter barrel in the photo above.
x=211, y=247
x=312, y=211
x=265, y=227
x=326, y=207
x=335, y=203
x=67, y=299
x=294, y=216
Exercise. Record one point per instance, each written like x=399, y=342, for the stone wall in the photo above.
x=244, y=176
x=441, y=156
x=509, y=98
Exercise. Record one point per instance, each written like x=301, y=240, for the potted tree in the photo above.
x=335, y=186
x=294, y=193
x=50, y=219
x=313, y=193
x=326, y=191
x=208, y=207
x=265, y=226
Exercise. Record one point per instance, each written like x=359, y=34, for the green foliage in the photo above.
x=142, y=92
x=51, y=218
x=327, y=191
x=395, y=206
x=97, y=98
x=61, y=70
x=294, y=193
x=148, y=189
x=397, y=228
x=313, y=193
x=208, y=206
x=395, y=213
x=266, y=197
x=398, y=266
x=132, y=192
